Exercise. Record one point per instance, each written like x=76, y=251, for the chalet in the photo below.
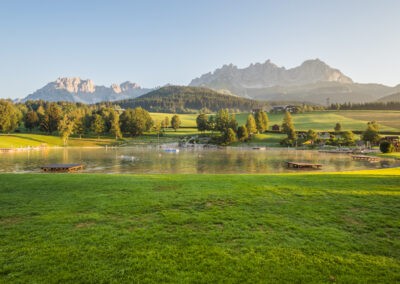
x=288, y=108
x=276, y=127
x=324, y=135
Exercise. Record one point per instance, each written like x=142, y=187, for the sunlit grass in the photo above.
x=307, y=228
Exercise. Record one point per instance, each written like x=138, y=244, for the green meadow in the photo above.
x=302, y=228
x=326, y=120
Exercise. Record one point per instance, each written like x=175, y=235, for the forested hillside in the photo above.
x=180, y=99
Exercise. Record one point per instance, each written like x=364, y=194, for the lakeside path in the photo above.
x=324, y=227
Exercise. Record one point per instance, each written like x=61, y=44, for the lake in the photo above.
x=152, y=160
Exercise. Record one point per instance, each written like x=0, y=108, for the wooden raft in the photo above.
x=62, y=168
x=365, y=158
x=299, y=165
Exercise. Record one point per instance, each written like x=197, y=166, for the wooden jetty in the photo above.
x=301, y=165
x=62, y=168
x=365, y=158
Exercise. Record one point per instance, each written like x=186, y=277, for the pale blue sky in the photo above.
x=157, y=42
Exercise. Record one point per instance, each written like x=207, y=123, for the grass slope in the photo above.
x=200, y=228
x=27, y=139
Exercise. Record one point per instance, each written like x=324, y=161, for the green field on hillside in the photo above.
x=326, y=120
x=355, y=120
x=292, y=228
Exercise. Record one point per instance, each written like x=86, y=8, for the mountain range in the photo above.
x=75, y=89
x=313, y=81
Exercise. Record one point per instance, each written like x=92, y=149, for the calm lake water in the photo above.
x=153, y=160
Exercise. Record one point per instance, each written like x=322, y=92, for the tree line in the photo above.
x=65, y=119
x=225, y=123
x=366, y=106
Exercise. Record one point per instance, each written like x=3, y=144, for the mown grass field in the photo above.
x=292, y=228
x=326, y=120
x=35, y=140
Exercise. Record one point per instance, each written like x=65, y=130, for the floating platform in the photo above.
x=62, y=168
x=365, y=158
x=300, y=165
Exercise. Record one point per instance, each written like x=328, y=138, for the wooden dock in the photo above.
x=300, y=165
x=365, y=158
x=62, y=168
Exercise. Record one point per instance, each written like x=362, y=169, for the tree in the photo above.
x=65, y=128
x=338, y=127
x=224, y=121
x=261, y=120
x=31, y=120
x=211, y=125
x=229, y=136
x=386, y=147
x=165, y=122
x=98, y=125
x=175, y=122
x=201, y=122
x=135, y=121
x=348, y=138
x=9, y=116
x=251, y=124
x=242, y=133
x=51, y=118
x=115, y=128
x=288, y=127
x=371, y=134
x=312, y=135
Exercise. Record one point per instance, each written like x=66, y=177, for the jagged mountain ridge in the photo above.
x=75, y=89
x=313, y=81
x=269, y=74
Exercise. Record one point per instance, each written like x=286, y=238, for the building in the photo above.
x=276, y=127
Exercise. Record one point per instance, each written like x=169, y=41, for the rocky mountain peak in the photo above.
x=75, y=85
x=76, y=89
x=268, y=74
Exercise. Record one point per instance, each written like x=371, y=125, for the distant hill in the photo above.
x=85, y=91
x=181, y=99
x=313, y=81
x=390, y=98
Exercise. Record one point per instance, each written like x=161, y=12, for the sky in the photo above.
x=154, y=43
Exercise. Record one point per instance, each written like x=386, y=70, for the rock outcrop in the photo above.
x=75, y=89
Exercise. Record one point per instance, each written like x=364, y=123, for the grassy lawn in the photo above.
x=392, y=155
x=267, y=139
x=326, y=120
x=187, y=120
x=386, y=118
x=34, y=140
x=299, y=228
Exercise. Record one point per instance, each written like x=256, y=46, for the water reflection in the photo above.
x=143, y=159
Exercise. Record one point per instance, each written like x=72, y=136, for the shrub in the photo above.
x=386, y=147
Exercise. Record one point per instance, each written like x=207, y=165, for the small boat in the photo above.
x=171, y=150
x=259, y=148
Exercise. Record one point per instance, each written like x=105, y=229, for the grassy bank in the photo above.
x=200, y=228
